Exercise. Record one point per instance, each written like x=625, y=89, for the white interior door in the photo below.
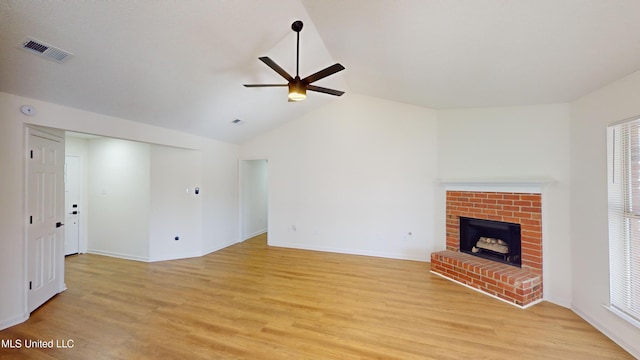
x=72, y=178
x=45, y=211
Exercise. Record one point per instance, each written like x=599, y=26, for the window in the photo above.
x=624, y=218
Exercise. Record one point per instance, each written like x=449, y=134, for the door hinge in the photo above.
x=31, y=154
x=31, y=219
x=30, y=285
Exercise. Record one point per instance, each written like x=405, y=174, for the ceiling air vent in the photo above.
x=39, y=48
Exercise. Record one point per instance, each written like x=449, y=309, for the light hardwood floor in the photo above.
x=251, y=301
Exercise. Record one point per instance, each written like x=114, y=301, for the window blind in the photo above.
x=623, y=175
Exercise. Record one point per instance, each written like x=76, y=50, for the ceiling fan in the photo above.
x=298, y=87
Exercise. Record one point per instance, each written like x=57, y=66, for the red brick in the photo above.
x=511, y=196
x=530, y=197
x=522, y=203
x=531, y=234
x=530, y=222
x=522, y=215
x=505, y=213
x=536, y=228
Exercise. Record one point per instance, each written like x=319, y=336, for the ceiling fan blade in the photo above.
x=272, y=64
x=325, y=90
x=264, y=85
x=323, y=73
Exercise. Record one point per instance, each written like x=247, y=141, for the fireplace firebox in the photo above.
x=493, y=240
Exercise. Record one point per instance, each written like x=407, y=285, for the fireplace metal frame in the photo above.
x=471, y=229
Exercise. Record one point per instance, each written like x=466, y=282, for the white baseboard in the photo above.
x=117, y=255
x=178, y=257
x=259, y=232
x=216, y=248
x=633, y=350
x=156, y=259
x=350, y=251
x=13, y=321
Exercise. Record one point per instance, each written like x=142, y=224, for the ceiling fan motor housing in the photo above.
x=296, y=26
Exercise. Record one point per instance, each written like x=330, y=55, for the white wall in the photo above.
x=119, y=197
x=219, y=186
x=356, y=176
x=175, y=209
x=590, y=116
x=527, y=142
x=141, y=197
x=219, y=190
x=254, y=195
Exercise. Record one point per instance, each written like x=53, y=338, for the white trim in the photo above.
x=259, y=232
x=635, y=352
x=14, y=321
x=493, y=296
x=217, y=248
x=175, y=257
x=623, y=316
x=385, y=255
x=118, y=255
x=524, y=185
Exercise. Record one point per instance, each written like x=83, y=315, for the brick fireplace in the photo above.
x=521, y=286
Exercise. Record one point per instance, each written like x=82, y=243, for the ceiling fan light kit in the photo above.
x=297, y=91
x=298, y=87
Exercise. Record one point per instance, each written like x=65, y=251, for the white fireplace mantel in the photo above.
x=526, y=185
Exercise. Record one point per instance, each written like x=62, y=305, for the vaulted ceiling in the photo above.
x=181, y=64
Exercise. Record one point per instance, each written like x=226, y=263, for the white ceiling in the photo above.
x=181, y=64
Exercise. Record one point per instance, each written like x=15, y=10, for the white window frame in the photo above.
x=624, y=222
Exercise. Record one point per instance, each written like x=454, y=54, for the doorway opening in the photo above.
x=72, y=203
x=254, y=198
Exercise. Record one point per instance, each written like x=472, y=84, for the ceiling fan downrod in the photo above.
x=297, y=27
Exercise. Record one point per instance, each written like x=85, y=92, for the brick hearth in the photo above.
x=520, y=286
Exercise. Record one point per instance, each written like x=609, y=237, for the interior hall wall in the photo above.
x=590, y=116
x=219, y=183
x=520, y=144
x=175, y=210
x=119, y=198
x=356, y=176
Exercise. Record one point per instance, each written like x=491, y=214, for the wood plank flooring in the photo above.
x=251, y=301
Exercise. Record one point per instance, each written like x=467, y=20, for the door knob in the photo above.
x=59, y=224
x=73, y=213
